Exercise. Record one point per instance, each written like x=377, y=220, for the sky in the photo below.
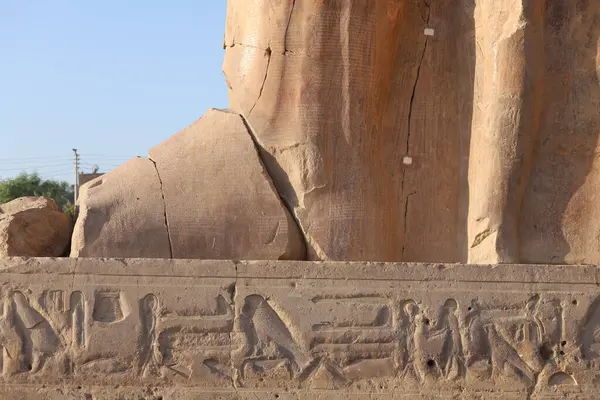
x=111, y=78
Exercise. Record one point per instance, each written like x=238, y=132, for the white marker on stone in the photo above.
x=429, y=32
x=407, y=160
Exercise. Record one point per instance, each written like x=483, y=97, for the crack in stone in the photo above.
x=233, y=296
x=285, y=35
x=409, y=127
x=262, y=87
x=251, y=46
x=282, y=201
x=414, y=89
x=162, y=195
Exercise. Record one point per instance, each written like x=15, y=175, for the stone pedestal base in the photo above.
x=191, y=329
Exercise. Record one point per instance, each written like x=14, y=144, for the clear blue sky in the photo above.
x=111, y=78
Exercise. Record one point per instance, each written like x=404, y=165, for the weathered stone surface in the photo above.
x=203, y=193
x=202, y=329
x=494, y=104
x=34, y=227
x=220, y=202
x=121, y=214
x=338, y=94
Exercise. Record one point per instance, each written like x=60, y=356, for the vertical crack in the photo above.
x=414, y=89
x=284, y=203
x=262, y=87
x=409, y=124
x=162, y=194
x=234, y=372
x=287, y=28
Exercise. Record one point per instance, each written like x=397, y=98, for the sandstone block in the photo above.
x=121, y=214
x=34, y=227
x=188, y=329
x=219, y=200
x=338, y=94
x=444, y=130
x=203, y=193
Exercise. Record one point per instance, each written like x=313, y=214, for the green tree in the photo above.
x=33, y=185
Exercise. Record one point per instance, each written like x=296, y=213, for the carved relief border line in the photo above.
x=402, y=272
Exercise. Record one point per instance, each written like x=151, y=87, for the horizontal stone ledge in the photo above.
x=270, y=269
x=248, y=329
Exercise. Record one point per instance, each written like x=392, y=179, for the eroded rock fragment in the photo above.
x=220, y=201
x=121, y=214
x=339, y=95
x=34, y=227
x=203, y=193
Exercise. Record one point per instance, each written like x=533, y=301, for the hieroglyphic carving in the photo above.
x=438, y=347
x=150, y=355
x=384, y=338
x=39, y=341
x=402, y=340
x=268, y=344
x=319, y=335
x=194, y=339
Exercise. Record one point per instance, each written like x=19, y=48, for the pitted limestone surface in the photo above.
x=187, y=329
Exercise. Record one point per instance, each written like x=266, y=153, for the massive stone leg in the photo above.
x=508, y=107
x=357, y=113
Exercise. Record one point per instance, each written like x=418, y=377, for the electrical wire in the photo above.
x=34, y=167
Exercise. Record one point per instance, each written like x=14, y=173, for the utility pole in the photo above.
x=76, y=186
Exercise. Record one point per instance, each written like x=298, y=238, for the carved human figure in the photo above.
x=452, y=353
x=408, y=312
x=477, y=346
x=439, y=346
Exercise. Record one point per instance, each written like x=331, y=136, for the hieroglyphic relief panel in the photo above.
x=217, y=327
x=420, y=328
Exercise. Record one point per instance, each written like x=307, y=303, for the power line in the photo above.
x=33, y=158
x=17, y=162
x=100, y=166
x=105, y=156
x=34, y=167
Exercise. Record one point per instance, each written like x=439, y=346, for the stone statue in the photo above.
x=431, y=130
x=392, y=130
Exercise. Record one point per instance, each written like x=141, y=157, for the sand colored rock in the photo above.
x=220, y=202
x=189, y=329
x=121, y=214
x=202, y=194
x=427, y=130
x=34, y=227
x=559, y=219
x=338, y=94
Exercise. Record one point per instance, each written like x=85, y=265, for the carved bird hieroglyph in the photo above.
x=269, y=326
